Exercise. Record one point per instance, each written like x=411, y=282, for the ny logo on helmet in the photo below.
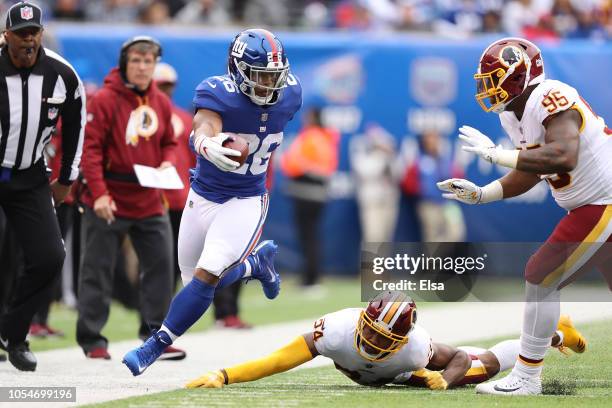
x=238, y=49
x=27, y=13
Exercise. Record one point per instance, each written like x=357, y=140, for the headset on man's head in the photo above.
x=134, y=40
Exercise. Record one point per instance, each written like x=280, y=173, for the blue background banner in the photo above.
x=402, y=83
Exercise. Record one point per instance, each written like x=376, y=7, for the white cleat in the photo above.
x=512, y=384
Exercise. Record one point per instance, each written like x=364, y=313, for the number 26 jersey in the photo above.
x=261, y=126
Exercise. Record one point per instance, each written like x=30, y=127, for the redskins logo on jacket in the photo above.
x=143, y=122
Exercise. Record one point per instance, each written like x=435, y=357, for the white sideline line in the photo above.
x=99, y=381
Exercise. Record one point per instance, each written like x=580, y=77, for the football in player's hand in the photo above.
x=237, y=143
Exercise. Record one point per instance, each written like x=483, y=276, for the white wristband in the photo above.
x=507, y=158
x=491, y=192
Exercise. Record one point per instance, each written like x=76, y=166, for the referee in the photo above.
x=37, y=87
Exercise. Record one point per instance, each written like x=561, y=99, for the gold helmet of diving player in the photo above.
x=384, y=325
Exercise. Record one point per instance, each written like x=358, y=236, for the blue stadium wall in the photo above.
x=403, y=83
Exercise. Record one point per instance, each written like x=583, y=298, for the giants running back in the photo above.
x=227, y=205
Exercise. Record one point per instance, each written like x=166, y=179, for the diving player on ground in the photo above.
x=383, y=345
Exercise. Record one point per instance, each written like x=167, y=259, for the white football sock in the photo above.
x=172, y=336
x=506, y=352
x=247, y=268
x=540, y=319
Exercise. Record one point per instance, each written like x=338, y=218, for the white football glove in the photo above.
x=461, y=190
x=480, y=144
x=211, y=148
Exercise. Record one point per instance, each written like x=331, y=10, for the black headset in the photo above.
x=134, y=40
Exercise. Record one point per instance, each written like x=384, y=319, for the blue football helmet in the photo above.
x=258, y=65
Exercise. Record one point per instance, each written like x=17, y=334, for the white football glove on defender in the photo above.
x=480, y=144
x=469, y=193
x=211, y=148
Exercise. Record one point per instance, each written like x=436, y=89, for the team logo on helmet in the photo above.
x=510, y=55
x=238, y=49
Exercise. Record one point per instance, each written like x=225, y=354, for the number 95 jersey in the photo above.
x=590, y=182
x=334, y=337
x=261, y=126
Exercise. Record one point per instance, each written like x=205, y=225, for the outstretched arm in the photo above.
x=298, y=352
x=518, y=182
x=453, y=361
x=558, y=155
x=511, y=185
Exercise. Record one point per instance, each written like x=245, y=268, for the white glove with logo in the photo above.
x=461, y=190
x=480, y=144
x=211, y=148
x=469, y=193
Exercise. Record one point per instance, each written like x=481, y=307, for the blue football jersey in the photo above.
x=261, y=126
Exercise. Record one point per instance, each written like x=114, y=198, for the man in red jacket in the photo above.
x=129, y=122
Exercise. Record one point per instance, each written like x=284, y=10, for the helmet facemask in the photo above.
x=382, y=342
x=488, y=94
x=262, y=84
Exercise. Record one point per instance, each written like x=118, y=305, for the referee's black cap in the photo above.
x=23, y=15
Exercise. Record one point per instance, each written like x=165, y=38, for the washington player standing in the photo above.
x=227, y=204
x=560, y=139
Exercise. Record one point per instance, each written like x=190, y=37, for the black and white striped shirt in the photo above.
x=31, y=102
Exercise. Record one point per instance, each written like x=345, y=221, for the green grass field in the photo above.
x=255, y=308
x=578, y=380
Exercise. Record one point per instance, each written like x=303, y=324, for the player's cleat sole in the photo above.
x=139, y=359
x=264, y=271
x=572, y=338
x=511, y=385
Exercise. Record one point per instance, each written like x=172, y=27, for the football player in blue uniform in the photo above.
x=227, y=204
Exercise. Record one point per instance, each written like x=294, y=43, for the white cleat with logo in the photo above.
x=512, y=384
